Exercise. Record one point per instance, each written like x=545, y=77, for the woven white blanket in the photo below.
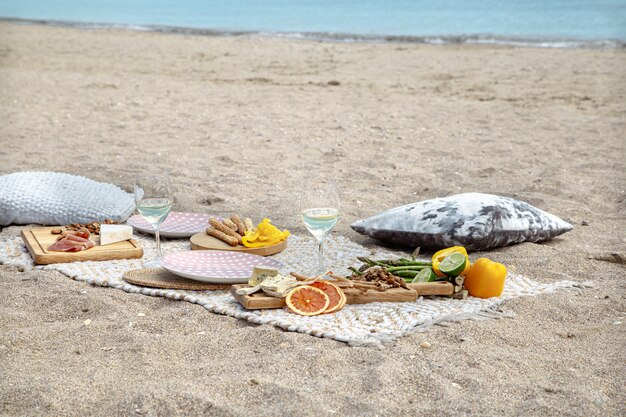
x=366, y=324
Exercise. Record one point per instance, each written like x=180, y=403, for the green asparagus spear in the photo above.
x=405, y=274
x=369, y=261
x=406, y=268
x=356, y=271
x=394, y=262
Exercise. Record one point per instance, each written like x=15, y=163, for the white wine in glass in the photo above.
x=319, y=208
x=153, y=196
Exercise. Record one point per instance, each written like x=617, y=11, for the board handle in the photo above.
x=432, y=288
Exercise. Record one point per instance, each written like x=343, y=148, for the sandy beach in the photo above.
x=239, y=122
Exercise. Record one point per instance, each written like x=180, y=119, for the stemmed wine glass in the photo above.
x=153, y=196
x=319, y=207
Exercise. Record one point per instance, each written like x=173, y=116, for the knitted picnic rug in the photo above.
x=375, y=324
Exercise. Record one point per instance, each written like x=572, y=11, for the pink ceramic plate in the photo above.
x=217, y=267
x=177, y=224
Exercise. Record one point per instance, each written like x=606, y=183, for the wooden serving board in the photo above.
x=432, y=288
x=202, y=241
x=38, y=240
x=260, y=300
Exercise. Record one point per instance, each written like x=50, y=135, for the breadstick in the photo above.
x=232, y=241
x=235, y=219
x=229, y=223
x=299, y=277
x=342, y=280
x=339, y=278
x=223, y=228
x=247, y=222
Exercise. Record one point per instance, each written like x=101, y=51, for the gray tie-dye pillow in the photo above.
x=55, y=199
x=476, y=221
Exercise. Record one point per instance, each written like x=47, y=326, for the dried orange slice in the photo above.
x=307, y=301
x=334, y=293
x=344, y=300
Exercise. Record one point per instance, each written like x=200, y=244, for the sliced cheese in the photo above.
x=248, y=290
x=260, y=273
x=113, y=233
x=279, y=285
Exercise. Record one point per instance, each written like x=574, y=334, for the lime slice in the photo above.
x=453, y=264
x=425, y=275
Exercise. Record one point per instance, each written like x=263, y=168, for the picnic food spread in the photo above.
x=76, y=237
x=235, y=231
x=47, y=247
x=450, y=265
x=448, y=272
x=304, y=296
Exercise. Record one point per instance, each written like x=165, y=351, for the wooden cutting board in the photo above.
x=38, y=240
x=202, y=241
x=260, y=300
x=432, y=288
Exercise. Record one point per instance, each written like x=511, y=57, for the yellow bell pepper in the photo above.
x=441, y=255
x=265, y=234
x=485, y=278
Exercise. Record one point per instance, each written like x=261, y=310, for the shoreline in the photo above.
x=338, y=37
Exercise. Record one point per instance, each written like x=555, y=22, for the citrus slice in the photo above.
x=425, y=275
x=441, y=255
x=453, y=264
x=333, y=292
x=307, y=301
x=344, y=300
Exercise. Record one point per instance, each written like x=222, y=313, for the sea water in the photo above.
x=538, y=22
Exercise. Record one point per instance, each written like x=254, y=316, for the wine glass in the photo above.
x=319, y=207
x=153, y=196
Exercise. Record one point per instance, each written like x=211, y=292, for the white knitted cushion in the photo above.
x=57, y=199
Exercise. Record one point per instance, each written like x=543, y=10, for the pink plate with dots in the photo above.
x=176, y=224
x=217, y=267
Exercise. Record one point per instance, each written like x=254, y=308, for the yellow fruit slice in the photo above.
x=307, y=300
x=442, y=254
x=453, y=264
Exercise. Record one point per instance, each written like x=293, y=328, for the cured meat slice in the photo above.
x=75, y=238
x=88, y=244
x=66, y=245
x=74, y=241
x=82, y=233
